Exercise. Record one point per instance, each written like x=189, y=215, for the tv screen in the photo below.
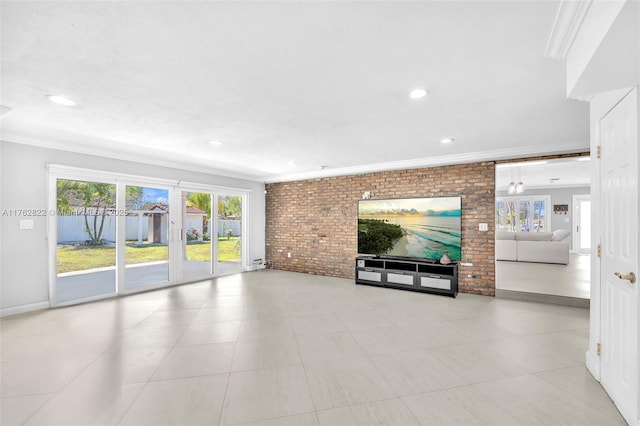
x=423, y=228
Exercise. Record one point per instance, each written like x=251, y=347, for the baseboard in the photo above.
x=593, y=365
x=15, y=310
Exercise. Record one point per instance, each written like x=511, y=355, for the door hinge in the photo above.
x=598, y=349
x=599, y=250
x=599, y=152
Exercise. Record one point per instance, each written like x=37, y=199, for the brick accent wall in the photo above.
x=316, y=220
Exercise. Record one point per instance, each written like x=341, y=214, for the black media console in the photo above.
x=427, y=275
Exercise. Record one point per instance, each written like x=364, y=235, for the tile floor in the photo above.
x=569, y=281
x=280, y=348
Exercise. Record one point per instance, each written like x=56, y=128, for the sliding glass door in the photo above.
x=196, y=235
x=211, y=247
x=116, y=234
x=85, y=239
x=147, y=236
x=229, y=234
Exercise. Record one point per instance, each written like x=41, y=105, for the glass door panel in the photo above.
x=86, y=237
x=585, y=226
x=229, y=238
x=147, y=236
x=196, y=238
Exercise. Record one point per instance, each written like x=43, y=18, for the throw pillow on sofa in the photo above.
x=560, y=234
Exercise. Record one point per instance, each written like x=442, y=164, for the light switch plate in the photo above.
x=26, y=224
x=483, y=227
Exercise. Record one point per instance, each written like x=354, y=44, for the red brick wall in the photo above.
x=316, y=220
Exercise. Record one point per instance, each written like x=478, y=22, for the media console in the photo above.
x=427, y=275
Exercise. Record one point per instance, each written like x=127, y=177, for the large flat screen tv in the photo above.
x=424, y=228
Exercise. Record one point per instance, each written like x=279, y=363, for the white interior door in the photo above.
x=619, y=227
x=582, y=224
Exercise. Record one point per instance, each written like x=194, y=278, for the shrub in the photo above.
x=193, y=234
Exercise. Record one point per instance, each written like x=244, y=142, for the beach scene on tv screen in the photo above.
x=417, y=227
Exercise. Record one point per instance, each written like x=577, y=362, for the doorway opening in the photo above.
x=538, y=254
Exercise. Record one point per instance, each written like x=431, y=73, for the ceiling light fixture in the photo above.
x=516, y=188
x=447, y=140
x=418, y=93
x=61, y=100
x=216, y=143
x=292, y=163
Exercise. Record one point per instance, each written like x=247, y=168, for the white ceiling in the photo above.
x=560, y=173
x=318, y=83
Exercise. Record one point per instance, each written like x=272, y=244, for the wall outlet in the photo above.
x=288, y=254
x=483, y=227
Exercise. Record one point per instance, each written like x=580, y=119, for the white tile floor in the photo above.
x=280, y=348
x=572, y=280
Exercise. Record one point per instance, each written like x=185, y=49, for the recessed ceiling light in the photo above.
x=418, y=93
x=447, y=140
x=216, y=143
x=61, y=100
x=292, y=163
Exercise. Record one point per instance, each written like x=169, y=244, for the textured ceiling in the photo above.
x=317, y=83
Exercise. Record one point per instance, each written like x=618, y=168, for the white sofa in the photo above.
x=541, y=247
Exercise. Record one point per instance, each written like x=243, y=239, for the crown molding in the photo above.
x=569, y=19
x=445, y=160
x=110, y=152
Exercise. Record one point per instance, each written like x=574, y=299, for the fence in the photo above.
x=71, y=229
x=225, y=225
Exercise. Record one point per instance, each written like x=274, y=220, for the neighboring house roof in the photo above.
x=195, y=210
x=158, y=208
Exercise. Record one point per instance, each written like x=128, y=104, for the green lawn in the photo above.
x=89, y=257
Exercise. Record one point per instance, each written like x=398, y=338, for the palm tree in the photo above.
x=203, y=202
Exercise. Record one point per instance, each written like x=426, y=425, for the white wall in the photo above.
x=24, y=183
x=558, y=196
